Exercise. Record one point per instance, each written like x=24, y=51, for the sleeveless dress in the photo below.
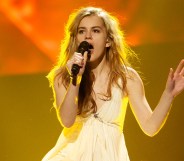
x=99, y=137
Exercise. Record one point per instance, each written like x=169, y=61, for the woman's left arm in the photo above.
x=152, y=121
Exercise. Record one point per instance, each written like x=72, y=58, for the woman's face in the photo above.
x=92, y=30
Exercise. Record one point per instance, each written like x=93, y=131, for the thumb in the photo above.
x=85, y=57
x=171, y=73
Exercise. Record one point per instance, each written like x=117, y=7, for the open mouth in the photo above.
x=90, y=50
x=90, y=46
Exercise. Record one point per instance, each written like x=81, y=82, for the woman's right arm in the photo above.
x=67, y=99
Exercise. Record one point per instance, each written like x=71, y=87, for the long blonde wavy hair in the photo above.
x=117, y=56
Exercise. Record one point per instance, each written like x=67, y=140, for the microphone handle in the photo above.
x=75, y=70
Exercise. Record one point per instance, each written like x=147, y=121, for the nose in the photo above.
x=88, y=35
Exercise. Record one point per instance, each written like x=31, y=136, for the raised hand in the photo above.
x=175, y=81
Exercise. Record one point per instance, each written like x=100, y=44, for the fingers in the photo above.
x=78, y=59
x=182, y=71
x=180, y=68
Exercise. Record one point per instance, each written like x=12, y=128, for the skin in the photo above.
x=92, y=29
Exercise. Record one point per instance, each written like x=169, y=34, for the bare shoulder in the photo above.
x=134, y=81
x=132, y=74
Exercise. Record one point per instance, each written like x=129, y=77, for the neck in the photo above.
x=99, y=68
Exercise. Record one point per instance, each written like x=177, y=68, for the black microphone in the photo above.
x=84, y=46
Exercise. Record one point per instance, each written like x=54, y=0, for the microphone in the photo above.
x=84, y=46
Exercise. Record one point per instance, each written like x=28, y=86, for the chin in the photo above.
x=92, y=59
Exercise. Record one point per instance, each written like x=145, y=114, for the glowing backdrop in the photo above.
x=30, y=35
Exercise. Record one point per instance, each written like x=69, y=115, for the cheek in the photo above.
x=100, y=43
x=79, y=38
x=100, y=39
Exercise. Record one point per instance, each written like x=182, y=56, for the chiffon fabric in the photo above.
x=98, y=137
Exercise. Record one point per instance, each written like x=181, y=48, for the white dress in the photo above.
x=98, y=137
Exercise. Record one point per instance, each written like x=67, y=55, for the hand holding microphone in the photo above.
x=83, y=47
x=78, y=62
